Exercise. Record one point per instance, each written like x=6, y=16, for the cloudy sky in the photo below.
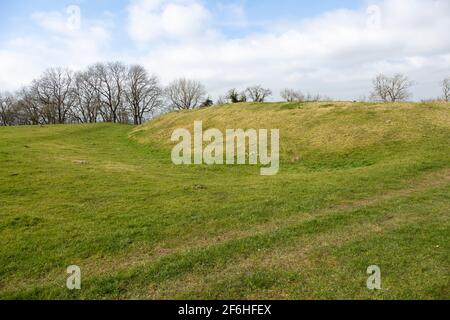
x=332, y=47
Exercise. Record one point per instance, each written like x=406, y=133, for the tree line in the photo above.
x=108, y=92
x=119, y=93
x=104, y=92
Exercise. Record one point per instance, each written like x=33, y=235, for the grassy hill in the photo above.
x=359, y=185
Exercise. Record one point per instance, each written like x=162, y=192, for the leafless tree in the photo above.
x=29, y=109
x=184, y=94
x=38, y=94
x=243, y=96
x=111, y=82
x=3, y=110
x=391, y=89
x=258, y=93
x=7, y=109
x=86, y=97
x=291, y=95
x=123, y=115
x=143, y=93
x=446, y=89
x=314, y=97
x=222, y=100
x=53, y=91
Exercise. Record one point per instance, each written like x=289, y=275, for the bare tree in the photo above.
x=7, y=109
x=291, y=95
x=118, y=74
x=243, y=96
x=314, y=97
x=3, y=110
x=86, y=97
x=143, y=93
x=29, y=109
x=38, y=94
x=258, y=93
x=446, y=89
x=222, y=100
x=184, y=94
x=391, y=89
x=53, y=91
x=111, y=78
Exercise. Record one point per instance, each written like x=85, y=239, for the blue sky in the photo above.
x=330, y=47
x=256, y=9
x=15, y=15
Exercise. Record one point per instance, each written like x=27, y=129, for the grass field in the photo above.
x=359, y=185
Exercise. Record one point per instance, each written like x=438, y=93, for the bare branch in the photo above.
x=258, y=93
x=291, y=95
x=446, y=89
x=391, y=89
x=184, y=94
x=143, y=93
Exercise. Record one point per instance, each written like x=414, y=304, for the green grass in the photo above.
x=372, y=186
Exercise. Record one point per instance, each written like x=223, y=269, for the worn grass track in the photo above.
x=372, y=187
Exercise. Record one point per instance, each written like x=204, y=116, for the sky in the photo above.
x=334, y=48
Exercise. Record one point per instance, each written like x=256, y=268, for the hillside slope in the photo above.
x=371, y=186
x=324, y=134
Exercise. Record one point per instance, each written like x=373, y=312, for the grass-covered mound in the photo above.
x=328, y=135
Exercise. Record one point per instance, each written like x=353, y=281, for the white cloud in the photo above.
x=232, y=15
x=337, y=53
x=52, y=21
x=153, y=19
x=57, y=43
